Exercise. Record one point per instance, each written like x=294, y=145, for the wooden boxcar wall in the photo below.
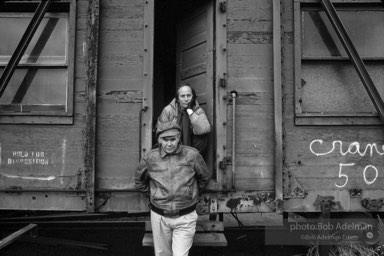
x=119, y=102
x=311, y=154
x=52, y=177
x=318, y=159
x=250, y=74
x=61, y=184
x=307, y=178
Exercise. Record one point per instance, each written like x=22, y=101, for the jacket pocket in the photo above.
x=187, y=167
x=187, y=192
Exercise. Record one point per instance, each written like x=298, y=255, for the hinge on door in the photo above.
x=291, y=186
x=223, y=81
x=223, y=6
x=226, y=161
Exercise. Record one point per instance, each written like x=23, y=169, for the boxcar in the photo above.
x=292, y=88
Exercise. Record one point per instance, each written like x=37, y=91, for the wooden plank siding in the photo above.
x=55, y=154
x=316, y=158
x=119, y=101
x=250, y=73
x=119, y=93
x=319, y=174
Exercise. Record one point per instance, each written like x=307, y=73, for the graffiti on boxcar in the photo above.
x=24, y=164
x=353, y=148
x=316, y=148
x=27, y=177
x=63, y=157
x=27, y=164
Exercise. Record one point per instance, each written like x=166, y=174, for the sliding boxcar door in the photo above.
x=195, y=52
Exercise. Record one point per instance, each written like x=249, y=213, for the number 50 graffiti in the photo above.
x=345, y=176
x=353, y=148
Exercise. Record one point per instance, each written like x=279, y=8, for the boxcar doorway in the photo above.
x=184, y=53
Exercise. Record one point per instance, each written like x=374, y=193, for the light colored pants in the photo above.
x=173, y=236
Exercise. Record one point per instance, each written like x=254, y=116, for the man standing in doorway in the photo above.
x=191, y=118
x=172, y=176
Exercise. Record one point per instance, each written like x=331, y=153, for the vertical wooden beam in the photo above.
x=278, y=110
x=325, y=217
x=147, y=109
x=71, y=58
x=221, y=90
x=297, y=56
x=90, y=100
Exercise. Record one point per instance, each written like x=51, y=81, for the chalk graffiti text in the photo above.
x=316, y=147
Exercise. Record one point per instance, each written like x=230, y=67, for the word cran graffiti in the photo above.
x=319, y=148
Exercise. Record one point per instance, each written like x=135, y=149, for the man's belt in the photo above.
x=176, y=213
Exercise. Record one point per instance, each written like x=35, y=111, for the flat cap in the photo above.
x=167, y=129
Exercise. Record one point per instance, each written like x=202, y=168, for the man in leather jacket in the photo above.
x=172, y=176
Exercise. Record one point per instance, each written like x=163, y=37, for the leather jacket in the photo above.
x=172, y=181
x=199, y=121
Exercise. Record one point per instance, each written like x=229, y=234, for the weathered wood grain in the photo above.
x=250, y=15
x=249, y=37
x=328, y=184
x=255, y=184
x=250, y=84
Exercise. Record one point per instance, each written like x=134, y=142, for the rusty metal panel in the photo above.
x=341, y=201
x=90, y=101
x=44, y=200
x=237, y=202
